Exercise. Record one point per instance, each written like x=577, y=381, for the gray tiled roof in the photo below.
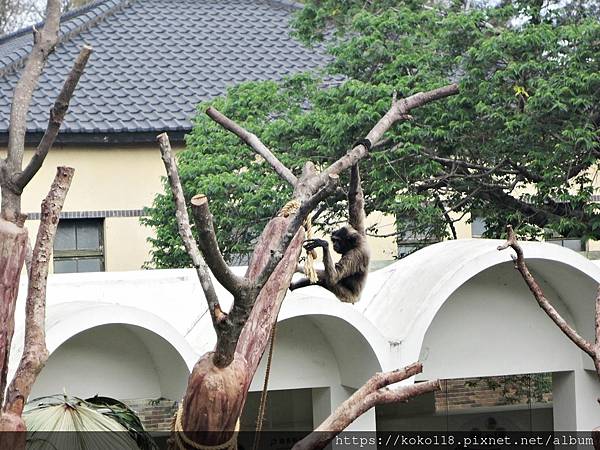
x=154, y=60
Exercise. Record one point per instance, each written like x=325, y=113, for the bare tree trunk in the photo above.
x=219, y=383
x=12, y=432
x=216, y=396
x=13, y=245
x=13, y=237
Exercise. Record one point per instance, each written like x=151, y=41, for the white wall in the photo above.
x=302, y=358
x=492, y=325
x=112, y=360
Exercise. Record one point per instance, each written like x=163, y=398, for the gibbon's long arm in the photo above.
x=348, y=265
x=356, y=201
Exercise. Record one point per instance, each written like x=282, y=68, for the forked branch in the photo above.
x=374, y=392
x=35, y=352
x=44, y=42
x=57, y=115
x=399, y=110
x=536, y=290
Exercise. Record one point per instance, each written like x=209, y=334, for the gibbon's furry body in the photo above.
x=346, y=278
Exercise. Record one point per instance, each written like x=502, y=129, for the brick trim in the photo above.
x=94, y=214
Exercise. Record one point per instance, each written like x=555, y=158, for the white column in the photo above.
x=575, y=400
x=326, y=400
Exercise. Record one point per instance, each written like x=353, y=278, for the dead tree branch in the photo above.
x=210, y=247
x=243, y=334
x=374, y=392
x=57, y=115
x=35, y=352
x=399, y=110
x=312, y=187
x=44, y=42
x=303, y=211
x=537, y=292
x=253, y=142
x=185, y=231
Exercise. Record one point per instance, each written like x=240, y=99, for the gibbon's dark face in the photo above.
x=343, y=239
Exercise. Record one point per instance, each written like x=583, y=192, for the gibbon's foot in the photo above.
x=311, y=244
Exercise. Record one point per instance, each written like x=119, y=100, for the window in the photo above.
x=575, y=244
x=478, y=227
x=78, y=246
x=410, y=240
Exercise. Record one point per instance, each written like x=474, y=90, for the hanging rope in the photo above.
x=292, y=207
x=263, y=395
x=182, y=440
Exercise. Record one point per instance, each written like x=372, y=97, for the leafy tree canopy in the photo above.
x=518, y=145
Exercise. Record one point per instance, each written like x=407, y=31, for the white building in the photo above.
x=457, y=306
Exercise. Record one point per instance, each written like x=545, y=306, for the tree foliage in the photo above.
x=518, y=145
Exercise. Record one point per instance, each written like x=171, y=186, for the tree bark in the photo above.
x=13, y=247
x=12, y=432
x=215, y=396
x=35, y=352
x=219, y=383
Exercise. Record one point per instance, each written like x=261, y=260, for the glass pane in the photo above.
x=478, y=227
x=88, y=235
x=65, y=266
x=89, y=265
x=573, y=244
x=65, y=235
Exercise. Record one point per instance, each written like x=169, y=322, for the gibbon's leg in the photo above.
x=303, y=282
x=343, y=293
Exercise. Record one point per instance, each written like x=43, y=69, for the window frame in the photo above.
x=81, y=254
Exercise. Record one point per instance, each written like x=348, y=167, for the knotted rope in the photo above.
x=182, y=440
x=292, y=207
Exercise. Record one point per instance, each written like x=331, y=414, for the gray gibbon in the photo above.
x=346, y=278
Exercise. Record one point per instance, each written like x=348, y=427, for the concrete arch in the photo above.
x=65, y=320
x=404, y=298
x=113, y=350
x=332, y=344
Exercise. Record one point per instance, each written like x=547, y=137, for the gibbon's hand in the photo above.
x=311, y=244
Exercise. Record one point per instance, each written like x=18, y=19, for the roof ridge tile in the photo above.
x=72, y=28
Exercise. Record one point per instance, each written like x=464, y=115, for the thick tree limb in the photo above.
x=35, y=352
x=57, y=115
x=253, y=142
x=537, y=292
x=298, y=219
x=210, y=247
x=243, y=335
x=185, y=231
x=373, y=392
x=398, y=111
x=44, y=42
x=13, y=244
